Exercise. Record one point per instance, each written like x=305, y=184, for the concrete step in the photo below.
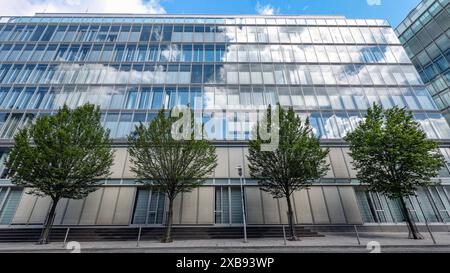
x=147, y=233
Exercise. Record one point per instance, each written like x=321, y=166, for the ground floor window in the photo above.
x=228, y=205
x=9, y=200
x=430, y=204
x=149, y=207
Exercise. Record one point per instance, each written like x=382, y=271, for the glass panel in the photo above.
x=124, y=126
x=183, y=96
x=157, y=98
x=144, y=101
x=132, y=98
x=111, y=123
x=117, y=98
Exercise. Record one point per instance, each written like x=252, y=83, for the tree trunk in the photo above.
x=48, y=223
x=167, y=234
x=292, y=235
x=413, y=232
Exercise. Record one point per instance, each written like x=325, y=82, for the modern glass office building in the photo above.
x=425, y=35
x=329, y=68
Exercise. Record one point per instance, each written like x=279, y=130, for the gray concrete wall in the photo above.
x=114, y=206
x=194, y=208
x=317, y=205
x=230, y=157
x=106, y=206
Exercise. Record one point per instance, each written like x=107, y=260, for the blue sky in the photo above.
x=392, y=10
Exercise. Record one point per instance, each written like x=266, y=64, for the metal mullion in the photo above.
x=431, y=199
x=374, y=206
x=150, y=97
x=8, y=123
x=33, y=100
x=425, y=217
x=158, y=196
x=43, y=32
x=414, y=209
x=25, y=65
x=27, y=107
x=11, y=99
x=129, y=32
x=446, y=209
x=215, y=199
x=3, y=156
x=57, y=25
x=149, y=199
x=15, y=36
x=229, y=205
x=8, y=74
x=388, y=208
x=45, y=99
x=217, y=192
x=13, y=31
x=72, y=100
x=444, y=188
x=3, y=202
x=26, y=114
x=221, y=204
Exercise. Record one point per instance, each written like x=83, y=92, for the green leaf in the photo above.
x=392, y=154
x=168, y=165
x=297, y=161
x=62, y=155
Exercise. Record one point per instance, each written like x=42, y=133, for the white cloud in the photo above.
x=266, y=9
x=29, y=7
x=374, y=2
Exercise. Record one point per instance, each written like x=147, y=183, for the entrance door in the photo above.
x=9, y=200
x=149, y=207
x=228, y=205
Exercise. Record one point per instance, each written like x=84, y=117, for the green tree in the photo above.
x=169, y=165
x=293, y=165
x=393, y=156
x=60, y=156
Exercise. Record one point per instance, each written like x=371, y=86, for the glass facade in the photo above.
x=149, y=208
x=328, y=68
x=228, y=205
x=9, y=200
x=425, y=35
x=430, y=205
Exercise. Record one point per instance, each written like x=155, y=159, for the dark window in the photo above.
x=157, y=98
x=196, y=76
x=145, y=34
x=84, y=52
x=95, y=53
x=37, y=55
x=167, y=33
x=208, y=75
x=187, y=53
x=431, y=71
x=209, y=53
x=48, y=33
x=49, y=54
x=38, y=33
x=156, y=34
x=441, y=63
x=145, y=98
x=5, y=33
x=70, y=34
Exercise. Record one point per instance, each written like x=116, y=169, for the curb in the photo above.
x=143, y=249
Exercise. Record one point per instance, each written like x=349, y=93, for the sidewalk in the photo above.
x=333, y=242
